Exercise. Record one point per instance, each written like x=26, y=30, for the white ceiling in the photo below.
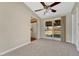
x=62, y=9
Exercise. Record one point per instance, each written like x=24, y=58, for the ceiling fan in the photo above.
x=48, y=7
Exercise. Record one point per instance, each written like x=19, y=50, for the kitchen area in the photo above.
x=53, y=29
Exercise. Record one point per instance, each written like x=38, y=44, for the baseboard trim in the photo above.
x=9, y=50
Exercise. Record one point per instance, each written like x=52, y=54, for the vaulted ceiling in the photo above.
x=61, y=9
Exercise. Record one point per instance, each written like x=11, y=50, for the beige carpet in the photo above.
x=44, y=47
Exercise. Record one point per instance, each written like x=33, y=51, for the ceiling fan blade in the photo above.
x=55, y=3
x=53, y=10
x=38, y=10
x=43, y=4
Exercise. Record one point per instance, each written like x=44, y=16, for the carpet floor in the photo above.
x=44, y=47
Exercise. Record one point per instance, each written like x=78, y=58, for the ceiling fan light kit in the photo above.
x=48, y=7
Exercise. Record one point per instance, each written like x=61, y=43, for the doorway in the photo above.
x=34, y=29
x=54, y=29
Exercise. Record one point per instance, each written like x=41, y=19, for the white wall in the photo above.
x=15, y=26
x=75, y=25
x=68, y=27
x=74, y=28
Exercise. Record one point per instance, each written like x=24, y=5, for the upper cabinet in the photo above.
x=57, y=22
